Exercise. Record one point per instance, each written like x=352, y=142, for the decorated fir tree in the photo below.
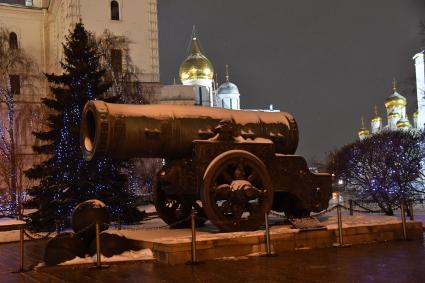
x=65, y=178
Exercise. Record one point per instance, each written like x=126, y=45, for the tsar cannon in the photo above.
x=231, y=166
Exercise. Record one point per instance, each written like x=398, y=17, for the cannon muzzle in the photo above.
x=167, y=131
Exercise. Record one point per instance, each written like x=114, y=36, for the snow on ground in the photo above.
x=145, y=254
x=10, y=221
x=147, y=232
x=154, y=229
x=148, y=208
x=9, y=236
x=358, y=219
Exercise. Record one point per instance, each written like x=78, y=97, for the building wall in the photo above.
x=420, y=87
x=28, y=24
x=138, y=22
x=41, y=30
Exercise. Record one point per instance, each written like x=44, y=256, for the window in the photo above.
x=115, y=11
x=28, y=3
x=116, y=61
x=13, y=41
x=15, y=84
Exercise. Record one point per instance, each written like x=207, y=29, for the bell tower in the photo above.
x=420, y=87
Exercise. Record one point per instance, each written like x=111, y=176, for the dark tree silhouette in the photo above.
x=385, y=168
x=66, y=179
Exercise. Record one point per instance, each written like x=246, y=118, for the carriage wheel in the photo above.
x=237, y=191
x=173, y=209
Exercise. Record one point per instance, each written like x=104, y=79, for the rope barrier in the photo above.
x=115, y=226
x=365, y=208
x=160, y=227
x=37, y=236
x=278, y=214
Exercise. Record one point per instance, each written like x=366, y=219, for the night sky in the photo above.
x=327, y=62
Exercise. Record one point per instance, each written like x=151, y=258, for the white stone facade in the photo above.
x=420, y=88
x=41, y=27
x=396, y=105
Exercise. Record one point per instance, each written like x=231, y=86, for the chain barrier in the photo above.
x=37, y=236
x=365, y=208
x=114, y=226
x=88, y=227
x=325, y=211
x=278, y=214
x=160, y=227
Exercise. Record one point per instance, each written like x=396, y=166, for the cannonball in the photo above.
x=64, y=247
x=85, y=216
x=112, y=244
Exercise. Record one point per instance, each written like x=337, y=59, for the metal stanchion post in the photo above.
x=98, y=252
x=340, y=243
x=193, y=224
x=341, y=237
x=351, y=206
x=98, y=260
x=21, y=243
x=268, y=249
x=403, y=219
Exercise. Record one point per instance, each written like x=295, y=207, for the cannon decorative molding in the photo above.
x=231, y=166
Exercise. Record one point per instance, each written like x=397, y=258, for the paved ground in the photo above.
x=384, y=262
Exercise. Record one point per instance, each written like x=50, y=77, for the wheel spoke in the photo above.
x=230, y=195
x=253, y=179
x=226, y=177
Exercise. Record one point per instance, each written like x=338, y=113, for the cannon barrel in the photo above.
x=167, y=131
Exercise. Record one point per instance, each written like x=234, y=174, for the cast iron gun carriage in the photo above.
x=231, y=166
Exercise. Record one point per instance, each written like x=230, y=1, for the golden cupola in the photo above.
x=196, y=65
x=376, y=118
x=403, y=123
x=363, y=132
x=415, y=114
x=395, y=99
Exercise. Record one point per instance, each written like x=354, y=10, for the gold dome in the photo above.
x=376, y=118
x=395, y=99
x=363, y=132
x=403, y=124
x=394, y=115
x=415, y=114
x=196, y=65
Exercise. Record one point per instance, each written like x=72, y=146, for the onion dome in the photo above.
x=363, y=132
x=395, y=99
x=228, y=87
x=416, y=114
x=376, y=118
x=196, y=65
x=394, y=115
x=403, y=123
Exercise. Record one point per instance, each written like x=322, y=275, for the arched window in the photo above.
x=13, y=41
x=115, y=11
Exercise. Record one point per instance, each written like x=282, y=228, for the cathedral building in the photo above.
x=395, y=104
x=39, y=28
x=200, y=86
